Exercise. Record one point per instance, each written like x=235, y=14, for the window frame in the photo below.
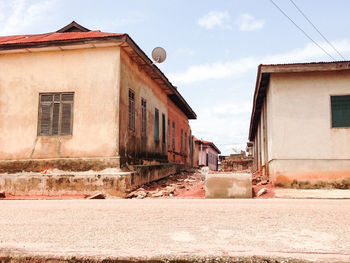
x=52, y=103
x=331, y=111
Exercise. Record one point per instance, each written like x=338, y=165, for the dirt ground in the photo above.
x=190, y=184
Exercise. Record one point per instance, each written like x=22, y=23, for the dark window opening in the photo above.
x=340, y=111
x=156, y=124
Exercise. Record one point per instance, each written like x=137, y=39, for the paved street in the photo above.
x=305, y=229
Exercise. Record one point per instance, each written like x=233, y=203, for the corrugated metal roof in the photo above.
x=54, y=36
x=211, y=144
x=263, y=77
x=74, y=33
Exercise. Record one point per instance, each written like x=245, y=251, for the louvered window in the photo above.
x=143, y=117
x=156, y=124
x=168, y=133
x=173, y=140
x=55, y=114
x=163, y=128
x=340, y=111
x=131, y=110
x=181, y=145
x=185, y=139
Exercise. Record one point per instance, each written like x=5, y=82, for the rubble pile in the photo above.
x=236, y=162
x=262, y=187
x=177, y=185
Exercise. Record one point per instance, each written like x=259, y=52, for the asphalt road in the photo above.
x=306, y=229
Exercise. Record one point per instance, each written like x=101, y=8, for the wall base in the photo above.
x=64, y=164
x=114, y=183
x=310, y=174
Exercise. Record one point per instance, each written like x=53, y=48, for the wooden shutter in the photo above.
x=55, y=118
x=45, y=118
x=66, y=119
x=163, y=128
x=340, y=111
x=156, y=124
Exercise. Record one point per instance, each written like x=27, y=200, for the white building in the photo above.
x=300, y=123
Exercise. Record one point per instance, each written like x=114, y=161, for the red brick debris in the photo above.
x=188, y=184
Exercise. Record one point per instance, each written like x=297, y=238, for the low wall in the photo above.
x=84, y=183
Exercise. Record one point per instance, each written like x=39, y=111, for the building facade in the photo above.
x=300, y=123
x=206, y=154
x=78, y=99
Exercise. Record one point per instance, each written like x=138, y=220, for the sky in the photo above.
x=213, y=47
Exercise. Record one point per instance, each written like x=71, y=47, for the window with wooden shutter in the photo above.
x=143, y=117
x=168, y=133
x=340, y=111
x=181, y=143
x=131, y=110
x=156, y=124
x=55, y=114
x=173, y=139
x=163, y=128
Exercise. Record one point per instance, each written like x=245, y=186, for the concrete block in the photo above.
x=228, y=185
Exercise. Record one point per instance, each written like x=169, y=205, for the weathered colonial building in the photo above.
x=300, y=123
x=205, y=154
x=78, y=99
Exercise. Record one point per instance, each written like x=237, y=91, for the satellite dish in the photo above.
x=158, y=55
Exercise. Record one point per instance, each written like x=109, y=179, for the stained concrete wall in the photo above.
x=134, y=148
x=302, y=145
x=176, y=154
x=92, y=74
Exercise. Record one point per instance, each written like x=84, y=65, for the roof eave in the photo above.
x=63, y=42
x=268, y=69
x=183, y=106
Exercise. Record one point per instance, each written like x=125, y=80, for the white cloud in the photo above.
x=185, y=51
x=225, y=125
x=220, y=70
x=217, y=70
x=247, y=22
x=18, y=15
x=215, y=19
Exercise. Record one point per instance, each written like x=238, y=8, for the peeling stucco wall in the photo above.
x=92, y=74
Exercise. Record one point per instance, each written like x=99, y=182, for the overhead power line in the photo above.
x=301, y=12
x=291, y=20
